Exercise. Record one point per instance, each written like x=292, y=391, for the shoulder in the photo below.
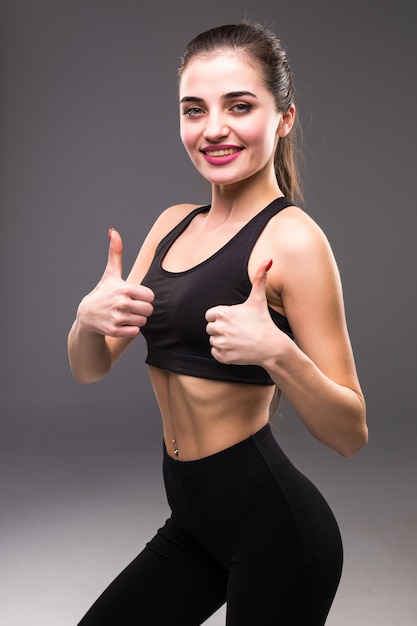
x=296, y=231
x=169, y=219
x=303, y=260
x=172, y=215
x=166, y=221
x=292, y=236
x=300, y=242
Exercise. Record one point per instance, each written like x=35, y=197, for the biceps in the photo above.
x=315, y=310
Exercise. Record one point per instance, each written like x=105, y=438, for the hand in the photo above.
x=241, y=334
x=115, y=307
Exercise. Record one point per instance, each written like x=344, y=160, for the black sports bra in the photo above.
x=176, y=331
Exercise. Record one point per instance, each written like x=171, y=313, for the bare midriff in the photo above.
x=201, y=417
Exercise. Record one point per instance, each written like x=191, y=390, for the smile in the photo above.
x=221, y=153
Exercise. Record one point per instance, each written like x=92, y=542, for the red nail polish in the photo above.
x=268, y=265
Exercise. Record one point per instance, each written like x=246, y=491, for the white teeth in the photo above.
x=220, y=153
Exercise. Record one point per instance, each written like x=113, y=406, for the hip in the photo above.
x=251, y=486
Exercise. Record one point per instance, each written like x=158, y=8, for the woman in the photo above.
x=235, y=299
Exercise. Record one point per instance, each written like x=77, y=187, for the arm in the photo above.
x=108, y=318
x=316, y=372
x=112, y=314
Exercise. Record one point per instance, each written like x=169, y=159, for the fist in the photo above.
x=114, y=307
x=241, y=334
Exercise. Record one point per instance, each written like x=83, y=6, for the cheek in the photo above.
x=262, y=137
x=188, y=136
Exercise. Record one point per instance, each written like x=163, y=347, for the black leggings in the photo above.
x=247, y=528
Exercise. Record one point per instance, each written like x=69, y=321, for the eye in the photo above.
x=193, y=112
x=242, y=107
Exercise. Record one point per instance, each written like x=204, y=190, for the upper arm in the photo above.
x=312, y=297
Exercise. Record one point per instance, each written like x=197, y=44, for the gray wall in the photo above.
x=89, y=140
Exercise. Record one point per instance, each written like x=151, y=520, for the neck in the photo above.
x=244, y=199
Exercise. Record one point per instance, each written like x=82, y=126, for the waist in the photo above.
x=204, y=416
x=261, y=439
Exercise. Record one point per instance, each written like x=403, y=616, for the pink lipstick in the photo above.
x=220, y=154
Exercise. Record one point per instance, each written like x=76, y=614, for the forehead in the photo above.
x=221, y=72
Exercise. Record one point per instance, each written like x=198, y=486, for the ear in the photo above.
x=287, y=122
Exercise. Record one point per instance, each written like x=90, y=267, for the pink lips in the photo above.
x=220, y=154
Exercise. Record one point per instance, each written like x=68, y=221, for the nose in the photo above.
x=216, y=127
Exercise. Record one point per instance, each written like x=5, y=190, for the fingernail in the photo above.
x=110, y=231
x=268, y=265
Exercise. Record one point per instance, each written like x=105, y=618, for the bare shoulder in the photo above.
x=303, y=261
x=305, y=255
x=297, y=234
x=299, y=248
x=307, y=277
x=169, y=218
x=166, y=221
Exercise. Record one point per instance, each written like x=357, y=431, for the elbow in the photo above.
x=86, y=377
x=356, y=437
x=82, y=380
x=354, y=444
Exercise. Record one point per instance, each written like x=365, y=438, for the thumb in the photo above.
x=257, y=295
x=114, y=265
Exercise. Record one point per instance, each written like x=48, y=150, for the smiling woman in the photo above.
x=235, y=299
x=228, y=114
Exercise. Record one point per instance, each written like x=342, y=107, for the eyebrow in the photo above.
x=227, y=96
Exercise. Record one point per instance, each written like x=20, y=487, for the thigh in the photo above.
x=168, y=583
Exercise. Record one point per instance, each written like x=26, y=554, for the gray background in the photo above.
x=89, y=140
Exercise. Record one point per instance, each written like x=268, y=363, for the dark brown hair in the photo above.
x=262, y=46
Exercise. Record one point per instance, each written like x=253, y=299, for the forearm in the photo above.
x=334, y=413
x=88, y=354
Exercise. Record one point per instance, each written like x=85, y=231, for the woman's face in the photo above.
x=229, y=120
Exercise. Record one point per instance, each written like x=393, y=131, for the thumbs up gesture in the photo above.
x=241, y=334
x=115, y=307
